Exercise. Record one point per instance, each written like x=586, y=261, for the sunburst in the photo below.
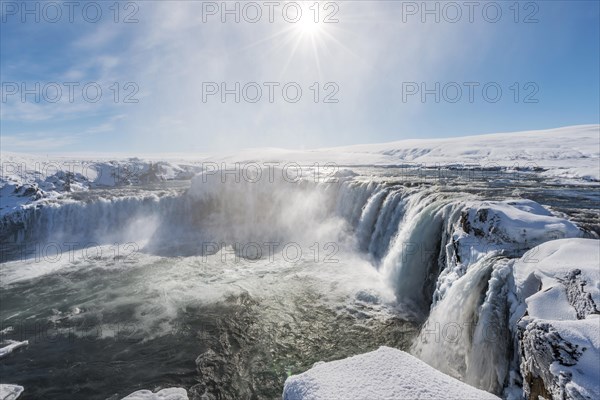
x=313, y=33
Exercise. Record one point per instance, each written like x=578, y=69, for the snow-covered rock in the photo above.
x=476, y=320
x=379, y=375
x=11, y=346
x=10, y=392
x=558, y=294
x=27, y=179
x=164, y=394
x=505, y=228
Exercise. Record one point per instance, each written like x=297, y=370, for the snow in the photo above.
x=10, y=392
x=27, y=179
x=549, y=262
x=164, y=394
x=558, y=286
x=508, y=227
x=519, y=221
x=584, y=334
x=569, y=153
x=551, y=304
x=382, y=374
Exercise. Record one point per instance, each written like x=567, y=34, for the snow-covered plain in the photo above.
x=563, y=153
x=569, y=152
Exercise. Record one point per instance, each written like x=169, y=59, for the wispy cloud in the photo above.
x=37, y=142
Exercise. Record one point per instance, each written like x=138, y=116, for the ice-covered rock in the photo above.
x=505, y=228
x=510, y=226
x=489, y=281
x=164, y=394
x=27, y=179
x=382, y=374
x=10, y=392
x=11, y=346
x=558, y=292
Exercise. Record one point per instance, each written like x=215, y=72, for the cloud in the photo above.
x=37, y=142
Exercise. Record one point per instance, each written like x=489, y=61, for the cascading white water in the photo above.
x=399, y=228
x=351, y=199
x=368, y=218
x=93, y=221
x=211, y=211
x=489, y=356
x=465, y=334
x=388, y=220
x=411, y=260
x=265, y=210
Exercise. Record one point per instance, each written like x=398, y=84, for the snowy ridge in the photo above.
x=27, y=179
x=564, y=153
x=379, y=375
x=569, y=152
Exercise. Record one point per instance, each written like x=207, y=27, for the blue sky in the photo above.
x=369, y=57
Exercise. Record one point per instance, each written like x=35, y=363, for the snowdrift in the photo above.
x=379, y=375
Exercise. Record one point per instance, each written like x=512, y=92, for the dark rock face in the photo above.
x=541, y=346
x=581, y=301
x=481, y=223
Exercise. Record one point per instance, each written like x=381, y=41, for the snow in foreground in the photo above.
x=164, y=394
x=10, y=392
x=382, y=374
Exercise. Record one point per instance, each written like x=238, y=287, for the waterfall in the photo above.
x=210, y=211
x=466, y=334
x=411, y=262
x=415, y=237
x=403, y=230
x=97, y=220
x=368, y=218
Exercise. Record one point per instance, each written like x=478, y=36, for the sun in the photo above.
x=309, y=30
x=307, y=25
